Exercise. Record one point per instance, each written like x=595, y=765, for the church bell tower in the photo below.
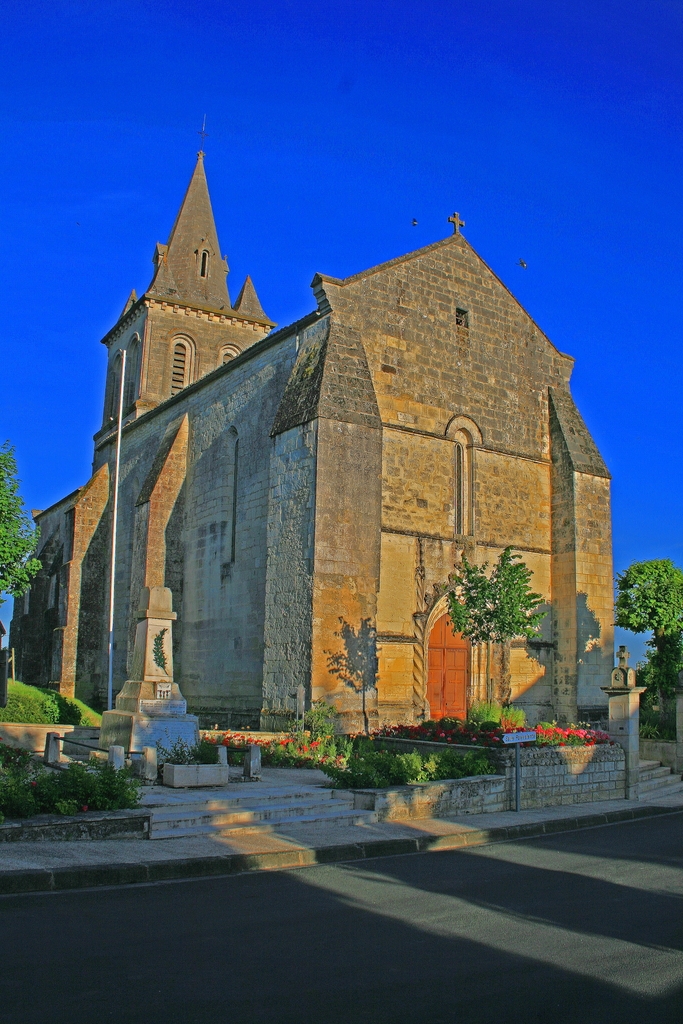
x=184, y=325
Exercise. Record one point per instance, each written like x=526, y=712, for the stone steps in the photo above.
x=180, y=829
x=251, y=811
x=160, y=800
x=655, y=779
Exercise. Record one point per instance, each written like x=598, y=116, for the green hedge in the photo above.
x=30, y=705
x=368, y=768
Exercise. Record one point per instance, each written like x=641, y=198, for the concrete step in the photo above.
x=203, y=815
x=661, y=772
x=343, y=817
x=661, y=787
x=158, y=799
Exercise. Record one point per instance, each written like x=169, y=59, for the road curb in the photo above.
x=93, y=875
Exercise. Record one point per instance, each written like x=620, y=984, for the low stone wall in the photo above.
x=32, y=737
x=551, y=776
x=478, y=794
x=567, y=775
x=658, y=750
x=134, y=824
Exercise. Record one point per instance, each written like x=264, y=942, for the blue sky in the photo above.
x=554, y=128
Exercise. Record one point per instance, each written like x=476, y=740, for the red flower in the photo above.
x=84, y=807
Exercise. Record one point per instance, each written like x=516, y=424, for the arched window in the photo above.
x=459, y=503
x=227, y=353
x=180, y=367
x=463, y=518
x=204, y=264
x=132, y=372
x=466, y=437
x=112, y=410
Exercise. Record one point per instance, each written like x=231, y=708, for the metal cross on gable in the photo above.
x=454, y=219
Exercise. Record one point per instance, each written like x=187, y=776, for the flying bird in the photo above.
x=414, y=223
x=521, y=263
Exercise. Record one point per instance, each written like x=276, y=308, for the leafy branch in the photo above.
x=158, y=651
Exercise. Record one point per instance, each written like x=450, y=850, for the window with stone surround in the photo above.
x=204, y=264
x=462, y=484
x=132, y=371
x=227, y=353
x=114, y=388
x=181, y=366
x=462, y=318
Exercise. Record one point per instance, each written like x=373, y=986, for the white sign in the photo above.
x=163, y=707
x=519, y=737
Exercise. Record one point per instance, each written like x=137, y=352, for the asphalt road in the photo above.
x=586, y=926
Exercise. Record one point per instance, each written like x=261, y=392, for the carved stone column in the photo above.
x=624, y=718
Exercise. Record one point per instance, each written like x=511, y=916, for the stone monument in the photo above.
x=150, y=708
x=624, y=718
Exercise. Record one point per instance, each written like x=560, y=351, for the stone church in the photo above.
x=305, y=493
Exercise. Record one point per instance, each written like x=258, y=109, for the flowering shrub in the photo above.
x=548, y=734
x=295, y=751
x=450, y=730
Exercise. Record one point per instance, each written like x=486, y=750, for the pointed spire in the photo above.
x=132, y=299
x=190, y=267
x=248, y=303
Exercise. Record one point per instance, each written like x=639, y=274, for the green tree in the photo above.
x=494, y=607
x=650, y=599
x=17, y=536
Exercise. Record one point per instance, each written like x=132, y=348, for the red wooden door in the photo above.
x=448, y=671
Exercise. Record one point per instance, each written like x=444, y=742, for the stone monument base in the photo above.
x=134, y=730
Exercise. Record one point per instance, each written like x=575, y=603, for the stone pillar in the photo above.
x=678, y=765
x=624, y=718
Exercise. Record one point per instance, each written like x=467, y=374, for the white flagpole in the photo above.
x=114, y=524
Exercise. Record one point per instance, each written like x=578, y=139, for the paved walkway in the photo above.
x=41, y=866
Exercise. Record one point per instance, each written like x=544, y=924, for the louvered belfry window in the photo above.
x=178, y=377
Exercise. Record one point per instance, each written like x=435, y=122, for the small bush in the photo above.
x=512, y=718
x=321, y=720
x=485, y=714
x=180, y=752
x=658, y=721
x=27, y=788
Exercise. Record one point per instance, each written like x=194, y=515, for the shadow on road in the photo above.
x=515, y=932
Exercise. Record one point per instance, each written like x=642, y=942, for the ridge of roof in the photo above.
x=459, y=239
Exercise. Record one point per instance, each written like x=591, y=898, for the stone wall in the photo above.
x=550, y=775
x=453, y=357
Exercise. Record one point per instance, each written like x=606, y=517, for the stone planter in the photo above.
x=184, y=776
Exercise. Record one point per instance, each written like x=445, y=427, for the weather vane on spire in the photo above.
x=203, y=133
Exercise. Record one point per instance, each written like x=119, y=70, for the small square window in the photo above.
x=462, y=318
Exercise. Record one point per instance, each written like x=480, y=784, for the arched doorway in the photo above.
x=448, y=671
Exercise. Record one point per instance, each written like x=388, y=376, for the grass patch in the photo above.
x=30, y=705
